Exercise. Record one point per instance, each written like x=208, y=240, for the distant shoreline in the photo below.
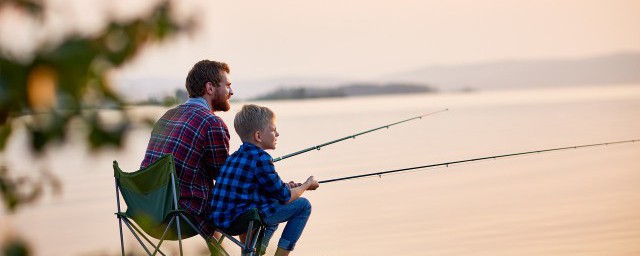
x=309, y=92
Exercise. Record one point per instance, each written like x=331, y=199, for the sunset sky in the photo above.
x=362, y=38
x=358, y=39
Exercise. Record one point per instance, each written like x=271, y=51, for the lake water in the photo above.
x=572, y=202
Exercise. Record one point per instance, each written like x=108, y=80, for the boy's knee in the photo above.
x=305, y=204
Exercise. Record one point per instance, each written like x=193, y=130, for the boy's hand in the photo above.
x=312, y=183
x=293, y=184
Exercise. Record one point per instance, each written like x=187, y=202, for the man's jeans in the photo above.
x=295, y=214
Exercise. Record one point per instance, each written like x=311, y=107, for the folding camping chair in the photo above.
x=151, y=195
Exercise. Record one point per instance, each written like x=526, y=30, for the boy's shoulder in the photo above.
x=261, y=155
x=252, y=153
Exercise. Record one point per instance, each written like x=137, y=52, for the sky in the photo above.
x=362, y=40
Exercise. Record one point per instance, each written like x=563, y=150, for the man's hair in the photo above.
x=252, y=118
x=202, y=72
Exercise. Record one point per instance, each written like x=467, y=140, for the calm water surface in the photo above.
x=574, y=202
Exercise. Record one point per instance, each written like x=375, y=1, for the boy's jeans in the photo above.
x=295, y=214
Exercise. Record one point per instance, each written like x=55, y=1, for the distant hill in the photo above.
x=308, y=92
x=603, y=70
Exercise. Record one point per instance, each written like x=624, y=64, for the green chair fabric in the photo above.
x=149, y=197
x=152, y=205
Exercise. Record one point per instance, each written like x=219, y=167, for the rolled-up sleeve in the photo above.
x=269, y=181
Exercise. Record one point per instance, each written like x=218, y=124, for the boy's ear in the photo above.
x=257, y=136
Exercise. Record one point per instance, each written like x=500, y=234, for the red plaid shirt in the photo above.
x=199, y=142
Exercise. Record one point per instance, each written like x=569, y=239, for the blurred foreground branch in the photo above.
x=68, y=79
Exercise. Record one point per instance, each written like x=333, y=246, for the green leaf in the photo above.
x=15, y=247
x=5, y=131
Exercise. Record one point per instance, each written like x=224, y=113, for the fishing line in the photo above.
x=447, y=164
x=318, y=147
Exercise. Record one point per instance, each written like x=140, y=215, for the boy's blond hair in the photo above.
x=252, y=118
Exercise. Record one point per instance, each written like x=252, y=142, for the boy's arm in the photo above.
x=268, y=180
x=310, y=184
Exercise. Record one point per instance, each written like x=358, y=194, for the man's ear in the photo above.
x=208, y=88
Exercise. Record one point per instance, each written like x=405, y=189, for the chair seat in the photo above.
x=157, y=229
x=241, y=223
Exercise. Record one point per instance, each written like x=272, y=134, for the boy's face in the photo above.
x=269, y=136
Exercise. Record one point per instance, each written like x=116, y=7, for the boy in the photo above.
x=249, y=180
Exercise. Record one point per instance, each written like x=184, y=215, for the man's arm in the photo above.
x=216, y=149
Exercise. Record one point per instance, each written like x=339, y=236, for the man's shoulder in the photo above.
x=200, y=113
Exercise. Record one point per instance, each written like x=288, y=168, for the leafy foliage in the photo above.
x=15, y=247
x=68, y=79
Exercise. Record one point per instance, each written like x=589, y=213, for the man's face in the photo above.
x=222, y=93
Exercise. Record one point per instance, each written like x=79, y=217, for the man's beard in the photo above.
x=220, y=104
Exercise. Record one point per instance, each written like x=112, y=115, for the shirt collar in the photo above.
x=198, y=101
x=248, y=146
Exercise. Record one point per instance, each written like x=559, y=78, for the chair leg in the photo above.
x=248, y=250
x=260, y=236
x=138, y=238
x=233, y=240
x=179, y=235
x=119, y=217
x=162, y=237
x=135, y=234
x=175, y=207
x=212, y=243
x=121, y=237
x=253, y=241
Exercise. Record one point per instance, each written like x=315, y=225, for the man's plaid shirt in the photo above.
x=247, y=180
x=199, y=142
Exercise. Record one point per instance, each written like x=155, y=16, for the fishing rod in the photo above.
x=353, y=136
x=379, y=174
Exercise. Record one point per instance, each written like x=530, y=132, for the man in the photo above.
x=197, y=138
